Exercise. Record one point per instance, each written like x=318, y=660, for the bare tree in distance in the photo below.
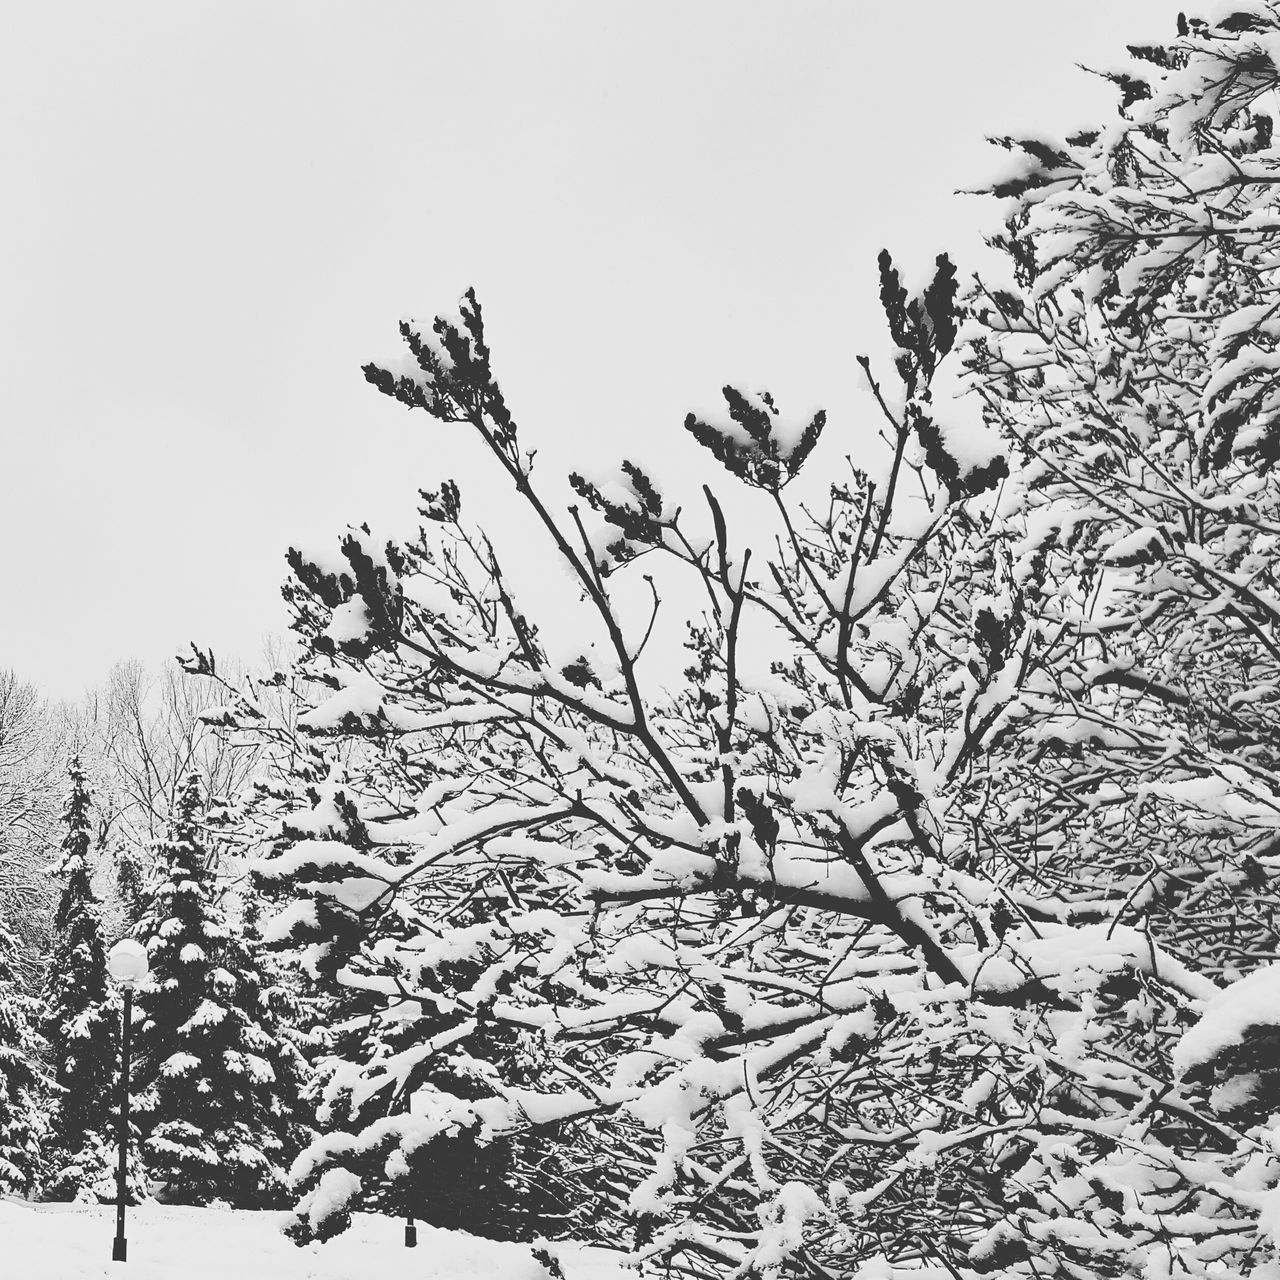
x=32, y=735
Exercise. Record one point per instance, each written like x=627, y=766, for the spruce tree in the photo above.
x=219, y=1111
x=21, y=1110
x=80, y=1022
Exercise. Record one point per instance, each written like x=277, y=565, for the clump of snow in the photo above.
x=784, y=1224
x=336, y=1189
x=785, y=429
x=1252, y=1002
x=360, y=697
x=1142, y=544
x=177, y=1064
x=1072, y=959
x=350, y=621
x=281, y=925
x=957, y=413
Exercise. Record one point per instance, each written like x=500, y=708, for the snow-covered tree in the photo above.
x=219, y=1110
x=31, y=762
x=752, y=930
x=147, y=735
x=80, y=1021
x=512, y=1187
x=152, y=739
x=22, y=1088
x=1132, y=365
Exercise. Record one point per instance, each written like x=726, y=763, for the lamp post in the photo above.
x=127, y=964
x=413, y=1105
x=410, y=1227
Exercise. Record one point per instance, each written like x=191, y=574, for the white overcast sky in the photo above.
x=214, y=213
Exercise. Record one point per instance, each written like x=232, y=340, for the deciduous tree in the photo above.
x=752, y=921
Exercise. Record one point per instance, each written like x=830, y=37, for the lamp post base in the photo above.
x=119, y=1249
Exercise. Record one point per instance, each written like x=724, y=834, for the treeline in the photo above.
x=137, y=740
x=114, y=812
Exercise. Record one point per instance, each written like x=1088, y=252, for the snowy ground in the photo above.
x=73, y=1242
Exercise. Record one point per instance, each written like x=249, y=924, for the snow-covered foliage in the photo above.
x=757, y=930
x=917, y=918
x=22, y=1090
x=80, y=1022
x=1133, y=367
x=511, y=1187
x=219, y=1110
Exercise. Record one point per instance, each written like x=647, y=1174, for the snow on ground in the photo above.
x=73, y=1242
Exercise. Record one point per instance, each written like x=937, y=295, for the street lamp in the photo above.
x=413, y=1106
x=127, y=964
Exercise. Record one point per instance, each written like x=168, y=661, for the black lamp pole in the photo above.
x=120, y=1246
x=410, y=1230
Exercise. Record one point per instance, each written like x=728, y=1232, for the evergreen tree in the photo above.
x=509, y=1186
x=219, y=1109
x=21, y=1110
x=130, y=884
x=80, y=1021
